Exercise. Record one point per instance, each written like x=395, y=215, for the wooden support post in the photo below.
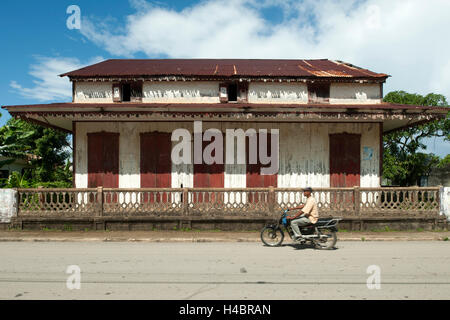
x=17, y=200
x=100, y=200
x=185, y=201
x=357, y=200
x=271, y=198
x=41, y=198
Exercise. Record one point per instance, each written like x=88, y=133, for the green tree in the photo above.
x=403, y=163
x=445, y=162
x=48, y=149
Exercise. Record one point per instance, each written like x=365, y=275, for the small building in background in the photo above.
x=19, y=165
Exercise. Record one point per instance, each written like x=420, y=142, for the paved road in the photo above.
x=124, y=270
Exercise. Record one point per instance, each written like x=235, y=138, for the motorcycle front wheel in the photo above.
x=272, y=236
x=327, y=240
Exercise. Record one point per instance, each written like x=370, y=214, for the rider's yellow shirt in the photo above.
x=311, y=208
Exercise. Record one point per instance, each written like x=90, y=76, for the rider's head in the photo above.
x=307, y=192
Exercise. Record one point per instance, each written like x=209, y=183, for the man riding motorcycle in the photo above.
x=308, y=214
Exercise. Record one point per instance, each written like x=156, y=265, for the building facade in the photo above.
x=324, y=121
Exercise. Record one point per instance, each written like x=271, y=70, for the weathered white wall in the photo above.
x=304, y=152
x=208, y=92
x=181, y=92
x=8, y=205
x=93, y=92
x=273, y=92
x=355, y=93
x=444, y=195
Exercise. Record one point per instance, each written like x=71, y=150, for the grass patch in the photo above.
x=385, y=229
x=47, y=229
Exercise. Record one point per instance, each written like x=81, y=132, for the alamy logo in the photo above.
x=374, y=280
x=73, y=21
x=258, y=143
x=74, y=280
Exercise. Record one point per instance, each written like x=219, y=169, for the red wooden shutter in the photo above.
x=209, y=176
x=156, y=164
x=254, y=177
x=345, y=160
x=103, y=160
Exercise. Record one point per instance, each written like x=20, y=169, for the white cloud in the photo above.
x=48, y=85
x=406, y=39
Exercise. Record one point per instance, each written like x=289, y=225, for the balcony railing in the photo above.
x=258, y=202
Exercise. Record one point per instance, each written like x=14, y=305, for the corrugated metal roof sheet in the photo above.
x=224, y=68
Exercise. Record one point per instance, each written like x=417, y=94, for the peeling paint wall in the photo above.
x=304, y=152
x=186, y=92
x=277, y=93
x=8, y=205
x=357, y=93
x=93, y=92
x=208, y=92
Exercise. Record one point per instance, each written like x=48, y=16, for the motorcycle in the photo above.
x=322, y=234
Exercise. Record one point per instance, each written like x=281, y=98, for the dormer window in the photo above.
x=234, y=91
x=127, y=92
x=318, y=92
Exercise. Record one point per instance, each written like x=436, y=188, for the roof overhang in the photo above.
x=62, y=115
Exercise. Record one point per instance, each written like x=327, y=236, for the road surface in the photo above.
x=127, y=270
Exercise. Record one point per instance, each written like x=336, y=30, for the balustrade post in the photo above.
x=271, y=200
x=185, y=201
x=100, y=200
x=357, y=200
x=42, y=198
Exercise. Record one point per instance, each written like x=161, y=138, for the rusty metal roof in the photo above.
x=322, y=68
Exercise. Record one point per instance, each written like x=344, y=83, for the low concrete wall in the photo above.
x=220, y=223
x=8, y=205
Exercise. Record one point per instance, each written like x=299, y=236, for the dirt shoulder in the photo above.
x=205, y=236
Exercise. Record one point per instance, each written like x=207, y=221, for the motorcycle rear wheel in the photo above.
x=327, y=243
x=271, y=236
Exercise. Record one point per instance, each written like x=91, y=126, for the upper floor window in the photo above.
x=127, y=92
x=318, y=92
x=233, y=92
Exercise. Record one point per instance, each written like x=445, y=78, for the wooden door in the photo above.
x=103, y=160
x=156, y=164
x=345, y=160
x=209, y=176
x=254, y=178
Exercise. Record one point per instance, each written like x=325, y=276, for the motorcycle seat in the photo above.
x=322, y=221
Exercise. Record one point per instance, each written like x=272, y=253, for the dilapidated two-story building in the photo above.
x=329, y=115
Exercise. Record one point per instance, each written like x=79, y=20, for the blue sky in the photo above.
x=405, y=39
